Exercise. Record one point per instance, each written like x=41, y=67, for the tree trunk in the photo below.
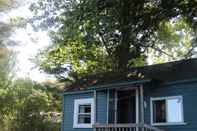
x=124, y=48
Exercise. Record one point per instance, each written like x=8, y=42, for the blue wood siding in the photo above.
x=68, y=110
x=189, y=93
x=102, y=107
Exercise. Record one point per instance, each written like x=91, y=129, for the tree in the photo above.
x=24, y=104
x=177, y=40
x=5, y=86
x=3, y=3
x=8, y=4
x=120, y=30
x=6, y=28
x=34, y=107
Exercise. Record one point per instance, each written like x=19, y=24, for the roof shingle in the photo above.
x=167, y=72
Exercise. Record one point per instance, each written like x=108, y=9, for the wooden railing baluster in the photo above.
x=124, y=127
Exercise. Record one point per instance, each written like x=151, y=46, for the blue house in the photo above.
x=150, y=98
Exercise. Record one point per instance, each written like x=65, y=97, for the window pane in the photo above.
x=175, y=110
x=84, y=119
x=85, y=109
x=159, y=111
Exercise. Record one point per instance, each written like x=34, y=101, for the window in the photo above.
x=167, y=110
x=83, y=113
x=159, y=111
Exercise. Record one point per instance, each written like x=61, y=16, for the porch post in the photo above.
x=142, y=105
x=108, y=99
x=95, y=106
x=116, y=107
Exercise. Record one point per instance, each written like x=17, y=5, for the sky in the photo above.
x=28, y=45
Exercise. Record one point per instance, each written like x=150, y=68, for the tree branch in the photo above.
x=157, y=49
x=188, y=54
x=109, y=51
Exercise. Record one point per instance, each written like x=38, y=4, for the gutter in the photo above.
x=180, y=82
x=108, y=86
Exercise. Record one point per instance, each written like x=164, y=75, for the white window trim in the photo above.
x=77, y=103
x=166, y=123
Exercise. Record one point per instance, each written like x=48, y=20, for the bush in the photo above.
x=28, y=107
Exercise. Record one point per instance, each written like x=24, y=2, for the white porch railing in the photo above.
x=124, y=127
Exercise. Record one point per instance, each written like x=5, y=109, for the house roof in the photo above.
x=167, y=72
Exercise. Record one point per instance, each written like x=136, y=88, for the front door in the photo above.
x=126, y=106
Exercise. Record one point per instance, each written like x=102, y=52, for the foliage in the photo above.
x=7, y=4
x=34, y=108
x=177, y=40
x=84, y=59
x=8, y=26
x=3, y=3
x=120, y=31
x=26, y=105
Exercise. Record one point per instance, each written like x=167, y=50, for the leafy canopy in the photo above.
x=26, y=105
x=7, y=4
x=97, y=36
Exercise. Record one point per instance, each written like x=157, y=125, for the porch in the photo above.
x=125, y=110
